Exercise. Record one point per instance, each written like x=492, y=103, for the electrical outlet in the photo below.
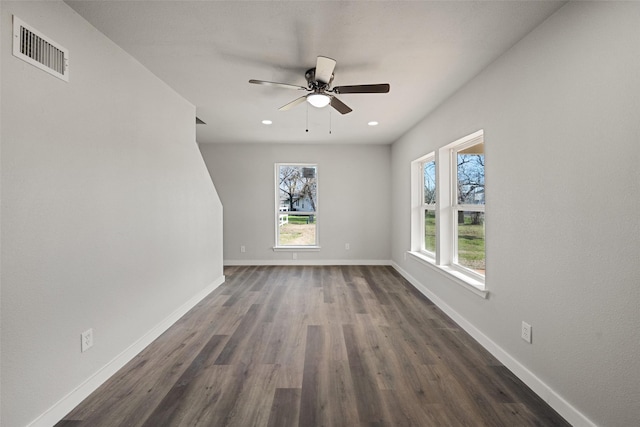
x=243, y=249
x=294, y=256
x=86, y=340
x=526, y=332
x=346, y=246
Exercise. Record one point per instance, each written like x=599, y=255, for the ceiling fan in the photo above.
x=321, y=93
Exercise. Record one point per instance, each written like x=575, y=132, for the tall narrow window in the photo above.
x=428, y=199
x=296, y=205
x=468, y=206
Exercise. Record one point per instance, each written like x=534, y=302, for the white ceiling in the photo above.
x=208, y=50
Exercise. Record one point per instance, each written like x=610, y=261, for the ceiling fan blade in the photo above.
x=282, y=85
x=293, y=103
x=378, y=88
x=324, y=69
x=340, y=106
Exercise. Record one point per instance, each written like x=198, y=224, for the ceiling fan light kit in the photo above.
x=319, y=81
x=318, y=100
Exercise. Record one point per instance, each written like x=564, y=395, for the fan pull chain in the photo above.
x=329, y=121
x=307, y=117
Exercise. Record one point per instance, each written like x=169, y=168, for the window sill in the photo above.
x=467, y=282
x=296, y=248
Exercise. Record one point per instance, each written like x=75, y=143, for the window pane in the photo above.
x=298, y=205
x=430, y=231
x=297, y=230
x=429, y=172
x=471, y=175
x=471, y=240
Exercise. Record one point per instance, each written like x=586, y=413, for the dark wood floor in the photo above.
x=314, y=346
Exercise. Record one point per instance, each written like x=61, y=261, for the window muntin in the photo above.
x=297, y=205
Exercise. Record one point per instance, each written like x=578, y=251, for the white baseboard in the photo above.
x=75, y=397
x=557, y=402
x=242, y=262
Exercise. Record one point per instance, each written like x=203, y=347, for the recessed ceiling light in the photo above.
x=373, y=123
x=267, y=122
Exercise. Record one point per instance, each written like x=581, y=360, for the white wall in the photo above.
x=561, y=117
x=109, y=218
x=353, y=193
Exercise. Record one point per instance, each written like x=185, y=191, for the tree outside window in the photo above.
x=470, y=233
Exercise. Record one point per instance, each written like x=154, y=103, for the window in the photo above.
x=448, y=201
x=296, y=205
x=468, y=206
x=428, y=208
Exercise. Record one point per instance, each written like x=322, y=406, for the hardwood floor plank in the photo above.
x=341, y=308
x=285, y=346
x=255, y=400
x=412, y=344
x=259, y=279
x=286, y=408
x=342, y=400
x=537, y=409
x=272, y=304
x=374, y=348
x=374, y=279
x=328, y=281
x=244, y=330
x=367, y=395
x=412, y=374
x=313, y=401
x=355, y=297
x=314, y=346
x=167, y=409
x=240, y=289
x=316, y=276
x=213, y=396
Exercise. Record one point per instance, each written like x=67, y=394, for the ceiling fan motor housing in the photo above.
x=310, y=75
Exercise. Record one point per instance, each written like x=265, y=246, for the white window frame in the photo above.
x=420, y=206
x=445, y=258
x=457, y=147
x=278, y=213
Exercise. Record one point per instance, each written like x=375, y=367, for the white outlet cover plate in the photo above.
x=526, y=332
x=86, y=340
